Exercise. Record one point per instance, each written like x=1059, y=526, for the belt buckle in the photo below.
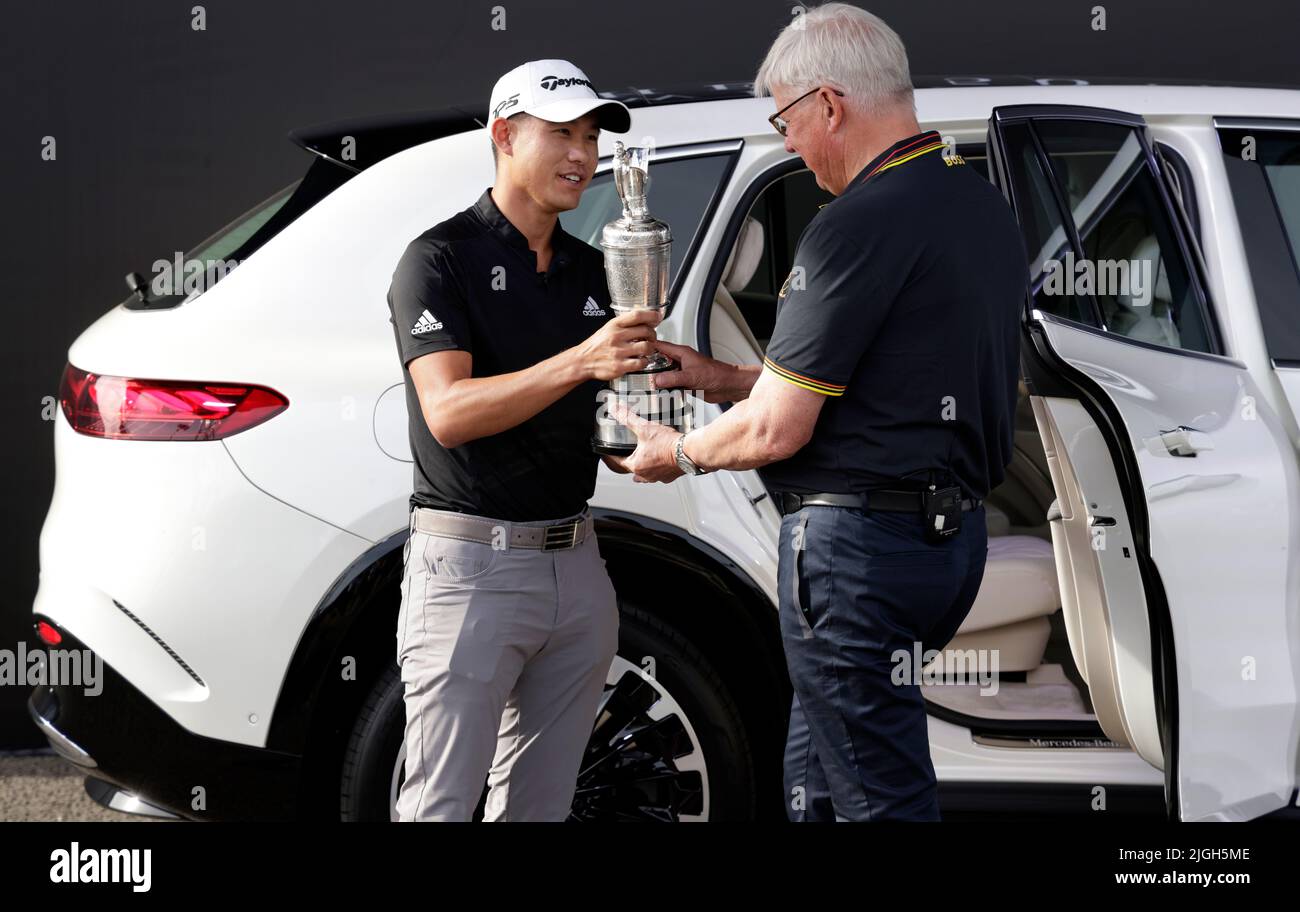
x=558, y=538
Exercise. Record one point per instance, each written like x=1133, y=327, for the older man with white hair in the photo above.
x=880, y=417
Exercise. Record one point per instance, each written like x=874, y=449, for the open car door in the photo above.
x=1175, y=525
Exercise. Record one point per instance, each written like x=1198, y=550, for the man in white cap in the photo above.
x=508, y=621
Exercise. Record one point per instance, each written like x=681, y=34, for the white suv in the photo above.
x=233, y=472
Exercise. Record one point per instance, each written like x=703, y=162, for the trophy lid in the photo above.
x=635, y=228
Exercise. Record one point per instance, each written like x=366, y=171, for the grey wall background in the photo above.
x=165, y=133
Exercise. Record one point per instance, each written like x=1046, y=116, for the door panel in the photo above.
x=1211, y=478
x=1111, y=640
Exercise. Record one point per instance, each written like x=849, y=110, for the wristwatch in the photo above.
x=683, y=461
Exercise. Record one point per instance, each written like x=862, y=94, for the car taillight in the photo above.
x=48, y=633
x=124, y=408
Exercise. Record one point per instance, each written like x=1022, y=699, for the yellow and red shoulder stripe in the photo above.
x=927, y=142
x=808, y=383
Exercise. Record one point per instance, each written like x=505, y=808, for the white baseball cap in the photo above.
x=557, y=91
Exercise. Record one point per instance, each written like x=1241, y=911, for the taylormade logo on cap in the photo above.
x=557, y=91
x=551, y=83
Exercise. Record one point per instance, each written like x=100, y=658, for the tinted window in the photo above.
x=782, y=211
x=1263, y=168
x=225, y=242
x=1283, y=172
x=1046, y=238
x=1278, y=157
x=237, y=241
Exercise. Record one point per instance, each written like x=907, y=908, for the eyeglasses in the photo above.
x=778, y=122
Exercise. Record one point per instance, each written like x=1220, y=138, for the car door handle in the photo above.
x=1186, y=441
x=753, y=501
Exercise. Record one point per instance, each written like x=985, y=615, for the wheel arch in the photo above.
x=712, y=600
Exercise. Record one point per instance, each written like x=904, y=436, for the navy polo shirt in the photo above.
x=471, y=283
x=903, y=310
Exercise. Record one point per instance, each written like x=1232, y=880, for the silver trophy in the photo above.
x=637, y=248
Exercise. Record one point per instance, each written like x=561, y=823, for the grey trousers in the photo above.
x=503, y=654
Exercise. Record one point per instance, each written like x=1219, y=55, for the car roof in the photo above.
x=734, y=112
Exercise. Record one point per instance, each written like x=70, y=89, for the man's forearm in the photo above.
x=743, y=437
x=476, y=407
x=738, y=382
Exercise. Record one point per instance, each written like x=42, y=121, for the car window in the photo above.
x=1046, y=237
x=1131, y=261
x=781, y=212
x=679, y=194
x=1262, y=163
x=223, y=251
x=1277, y=155
x=1283, y=173
x=235, y=235
x=764, y=281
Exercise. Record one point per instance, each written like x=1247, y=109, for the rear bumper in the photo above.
x=194, y=584
x=120, y=737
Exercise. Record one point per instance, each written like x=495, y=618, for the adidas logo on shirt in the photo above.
x=426, y=324
x=592, y=309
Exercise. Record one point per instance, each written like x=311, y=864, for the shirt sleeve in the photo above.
x=829, y=310
x=427, y=304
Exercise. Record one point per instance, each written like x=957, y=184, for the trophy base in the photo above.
x=609, y=448
x=636, y=389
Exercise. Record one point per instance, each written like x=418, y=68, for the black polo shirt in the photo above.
x=903, y=309
x=471, y=283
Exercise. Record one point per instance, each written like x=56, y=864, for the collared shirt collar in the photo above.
x=503, y=228
x=900, y=149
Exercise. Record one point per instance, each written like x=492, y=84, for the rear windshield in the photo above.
x=238, y=240
x=236, y=236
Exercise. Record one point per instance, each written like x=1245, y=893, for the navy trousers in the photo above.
x=855, y=587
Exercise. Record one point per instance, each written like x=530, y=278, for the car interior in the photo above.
x=1019, y=607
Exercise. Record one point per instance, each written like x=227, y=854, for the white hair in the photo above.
x=843, y=47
